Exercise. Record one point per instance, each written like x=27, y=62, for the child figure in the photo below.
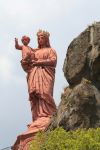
x=27, y=53
x=26, y=50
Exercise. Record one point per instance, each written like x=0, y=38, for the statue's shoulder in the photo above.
x=53, y=50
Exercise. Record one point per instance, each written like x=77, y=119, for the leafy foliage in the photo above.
x=59, y=139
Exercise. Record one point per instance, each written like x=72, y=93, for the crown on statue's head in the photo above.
x=43, y=32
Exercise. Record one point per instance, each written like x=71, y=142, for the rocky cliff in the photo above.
x=80, y=101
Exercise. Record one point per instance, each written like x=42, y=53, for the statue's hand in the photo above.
x=16, y=40
x=17, y=46
x=36, y=62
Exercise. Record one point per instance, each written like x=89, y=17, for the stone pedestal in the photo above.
x=23, y=140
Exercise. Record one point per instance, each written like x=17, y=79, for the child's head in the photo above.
x=25, y=40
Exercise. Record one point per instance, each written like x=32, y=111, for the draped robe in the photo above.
x=40, y=79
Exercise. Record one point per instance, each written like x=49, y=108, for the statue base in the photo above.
x=23, y=140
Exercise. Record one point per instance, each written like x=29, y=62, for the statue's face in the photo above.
x=25, y=41
x=41, y=40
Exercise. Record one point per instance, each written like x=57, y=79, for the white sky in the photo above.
x=64, y=19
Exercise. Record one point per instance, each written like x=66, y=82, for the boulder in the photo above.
x=83, y=57
x=80, y=101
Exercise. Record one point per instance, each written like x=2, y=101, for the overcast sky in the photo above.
x=64, y=19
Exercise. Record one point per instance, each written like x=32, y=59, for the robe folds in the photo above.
x=40, y=80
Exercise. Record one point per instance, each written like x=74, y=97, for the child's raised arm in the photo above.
x=17, y=46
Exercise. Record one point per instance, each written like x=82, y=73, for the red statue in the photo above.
x=40, y=66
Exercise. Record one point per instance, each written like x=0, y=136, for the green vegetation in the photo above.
x=59, y=139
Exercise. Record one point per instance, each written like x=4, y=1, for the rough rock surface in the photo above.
x=79, y=108
x=83, y=56
x=80, y=101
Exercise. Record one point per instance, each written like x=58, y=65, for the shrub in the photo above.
x=59, y=139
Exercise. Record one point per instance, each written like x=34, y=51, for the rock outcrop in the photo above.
x=83, y=57
x=80, y=101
